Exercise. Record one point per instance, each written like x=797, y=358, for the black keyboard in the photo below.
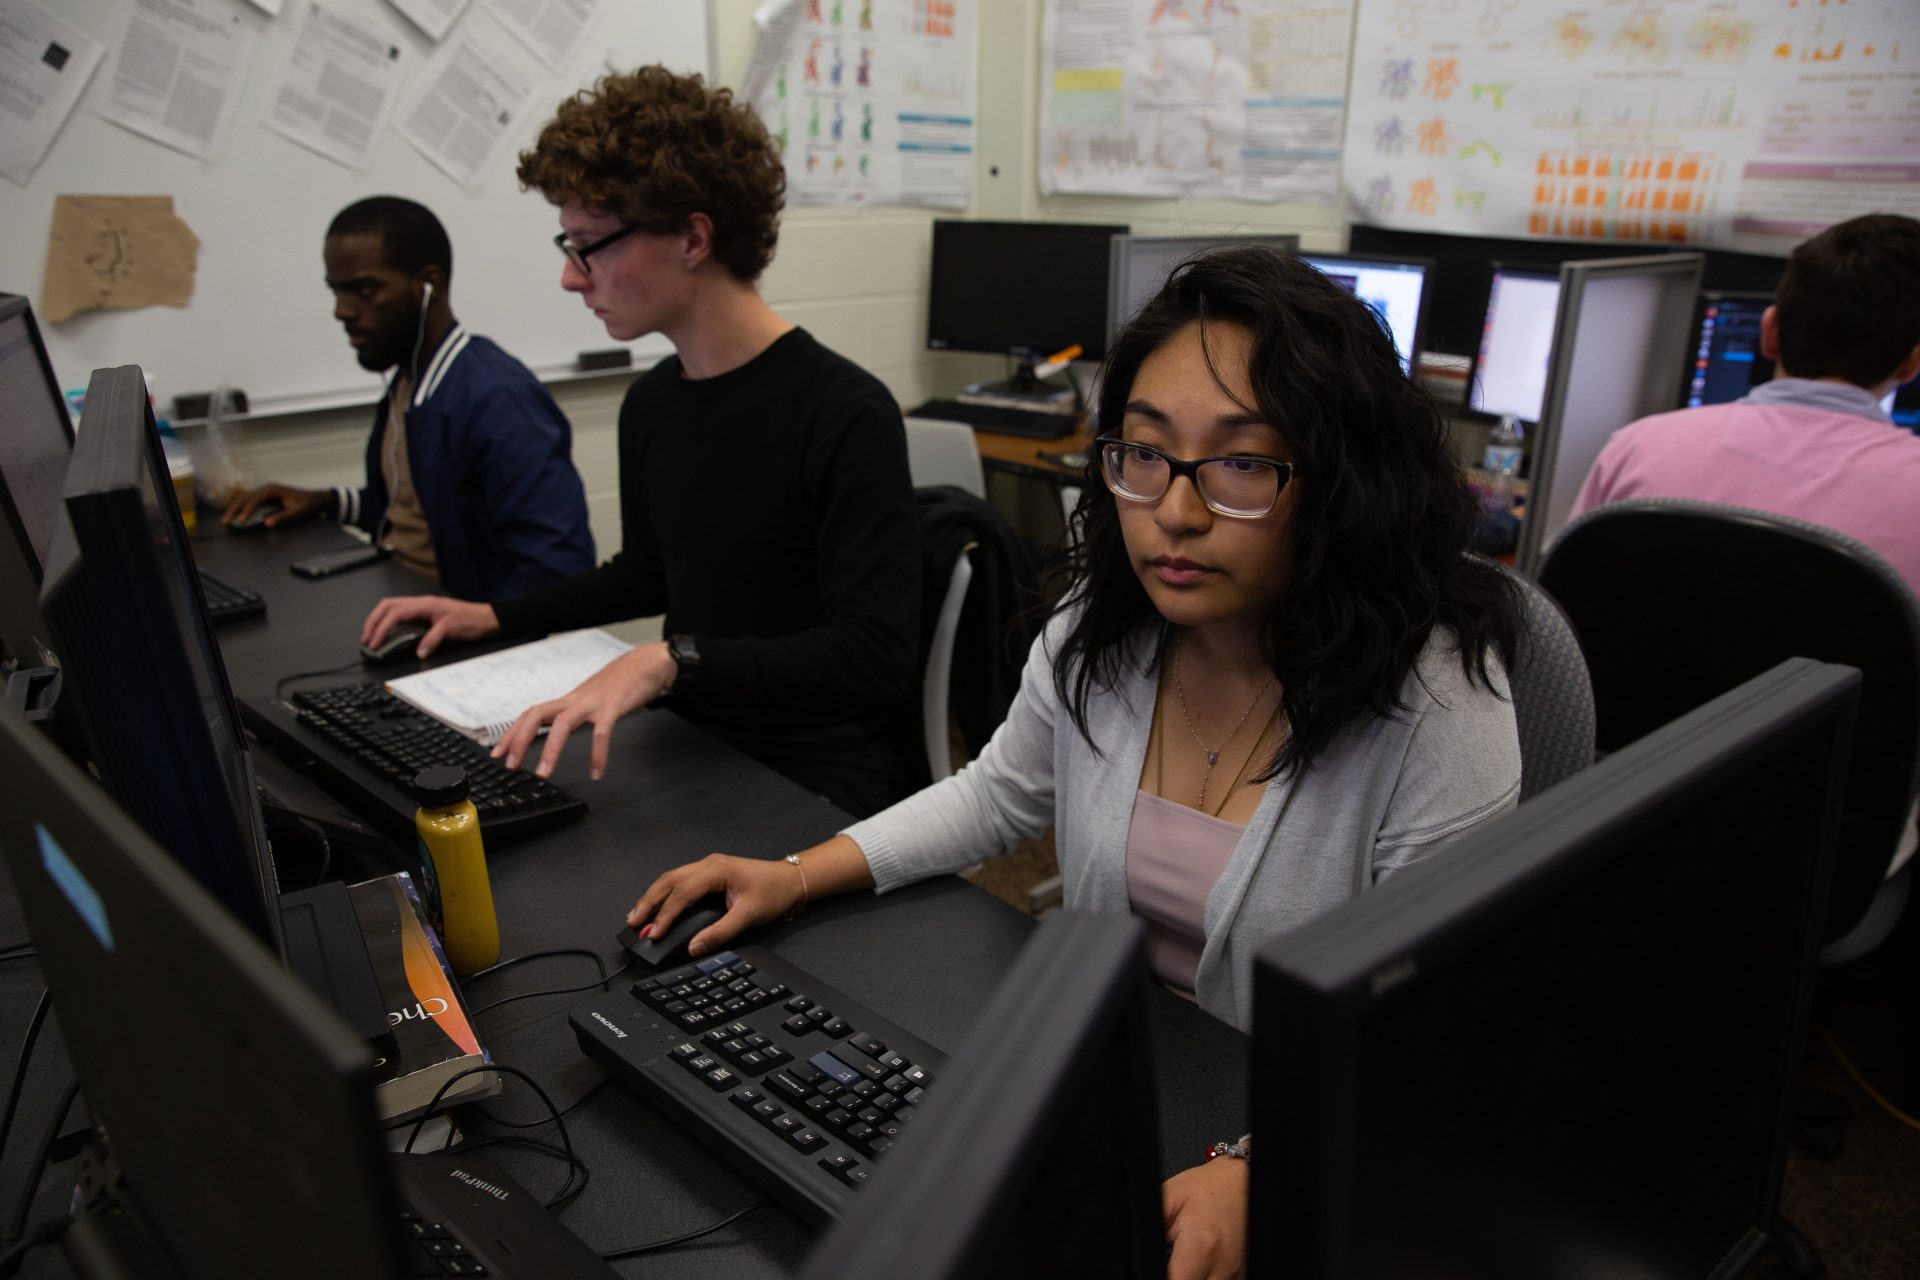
x=787, y=1079
x=1036, y=424
x=226, y=602
x=366, y=746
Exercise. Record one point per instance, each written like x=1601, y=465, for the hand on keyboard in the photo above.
x=628, y=683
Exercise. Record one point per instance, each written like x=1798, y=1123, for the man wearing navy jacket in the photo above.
x=470, y=477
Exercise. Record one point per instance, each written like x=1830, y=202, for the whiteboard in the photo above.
x=261, y=318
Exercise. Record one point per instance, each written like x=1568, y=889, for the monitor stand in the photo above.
x=1025, y=389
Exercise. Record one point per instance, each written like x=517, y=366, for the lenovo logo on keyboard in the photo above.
x=607, y=1022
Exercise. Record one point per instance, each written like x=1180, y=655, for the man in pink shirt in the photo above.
x=1813, y=443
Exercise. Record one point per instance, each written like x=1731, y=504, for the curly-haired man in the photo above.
x=764, y=494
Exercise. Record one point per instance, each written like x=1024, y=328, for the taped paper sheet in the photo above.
x=179, y=71
x=337, y=84
x=44, y=64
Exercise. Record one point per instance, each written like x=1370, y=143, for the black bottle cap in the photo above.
x=443, y=784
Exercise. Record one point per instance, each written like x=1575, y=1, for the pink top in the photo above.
x=1851, y=471
x=1174, y=856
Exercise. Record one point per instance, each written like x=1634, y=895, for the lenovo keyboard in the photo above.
x=1035, y=424
x=795, y=1084
x=365, y=746
x=227, y=602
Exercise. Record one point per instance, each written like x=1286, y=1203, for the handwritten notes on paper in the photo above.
x=109, y=253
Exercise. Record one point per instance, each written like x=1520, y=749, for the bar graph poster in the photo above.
x=1747, y=126
x=871, y=101
x=1233, y=99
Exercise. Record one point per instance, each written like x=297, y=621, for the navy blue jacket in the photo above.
x=491, y=457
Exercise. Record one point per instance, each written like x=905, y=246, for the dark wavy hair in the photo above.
x=1380, y=525
x=653, y=148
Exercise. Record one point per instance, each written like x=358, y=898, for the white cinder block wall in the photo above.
x=856, y=279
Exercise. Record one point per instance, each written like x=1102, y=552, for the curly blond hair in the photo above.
x=653, y=148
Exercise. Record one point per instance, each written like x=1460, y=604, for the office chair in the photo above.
x=937, y=680
x=1552, y=694
x=1675, y=602
x=944, y=453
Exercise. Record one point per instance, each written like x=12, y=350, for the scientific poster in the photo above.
x=871, y=101
x=467, y=106
x=178, y=73
x=44, y=64
x=1747, y=126
x=337, y=83
x=1238, y=99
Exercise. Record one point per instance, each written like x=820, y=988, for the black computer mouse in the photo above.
x=670, y=948
x=396, y=646
x=256, y=518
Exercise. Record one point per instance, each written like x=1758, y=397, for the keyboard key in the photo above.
x=748, y=1099
x=818, y=1105
x=720, y=1079
x=913, y=1097
x=767, y=1111
x=806, y=1072
x=775, y=1055
x=752, y=1063
x=878, y=1143
x=700, y=1064
x=839, y=1118
x=784, y=1124
x=835, y=1068
x=869, y=1068
x=683, y=1052
x=799, y=1004
x=866, y=1090
x=842, y=1167
x=871, y=1115
x=859, y=1131
x=785, y=1085
x=866, y=1044
x=817, y=1015
x=895, y=1083
x=798, y=1024
x=884, y=1102
x=837, y=1027
x=919, y=1075
x=894, y=1062
x=806, y=1140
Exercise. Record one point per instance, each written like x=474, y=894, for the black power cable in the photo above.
x=654, y=1246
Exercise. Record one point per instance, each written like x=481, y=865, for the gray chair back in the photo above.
x=1552, y=694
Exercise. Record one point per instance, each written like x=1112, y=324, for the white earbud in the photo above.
x=426, y=298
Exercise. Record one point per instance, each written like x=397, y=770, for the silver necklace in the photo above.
x=1213, y=754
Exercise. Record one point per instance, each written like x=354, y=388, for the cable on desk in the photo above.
x=20, y=1065
x=280, y=685
x=38, y=1168
x=573, y=1161
x=686, y=1237
x=45, y=1233
x=540, y=955
x=1846, y=1064
x=568, y=1191
x=558, y=991
x=567, y=1110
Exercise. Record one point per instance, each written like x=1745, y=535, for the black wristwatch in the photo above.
x=686, y=656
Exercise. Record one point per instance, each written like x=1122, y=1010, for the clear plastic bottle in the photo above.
x=455, y=864
x=1506, y=446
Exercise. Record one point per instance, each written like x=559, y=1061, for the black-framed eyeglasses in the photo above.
x=578, y=254
x=1242, y=487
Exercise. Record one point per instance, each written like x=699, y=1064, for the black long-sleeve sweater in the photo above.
x=769, y=514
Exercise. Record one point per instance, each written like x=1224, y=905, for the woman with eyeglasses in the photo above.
x=1276, y=679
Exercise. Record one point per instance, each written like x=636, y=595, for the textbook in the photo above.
x=483, y=696
x=433, y=1037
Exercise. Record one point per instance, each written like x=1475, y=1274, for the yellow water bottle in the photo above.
x=455, y=865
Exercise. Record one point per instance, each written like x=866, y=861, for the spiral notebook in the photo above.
x=483, y=696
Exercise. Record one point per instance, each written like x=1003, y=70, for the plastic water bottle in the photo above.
x=1506, y=445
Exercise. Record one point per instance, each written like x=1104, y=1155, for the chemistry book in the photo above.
x=483, y=696
x=433, y=1038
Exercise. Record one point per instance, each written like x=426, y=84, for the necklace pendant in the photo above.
x=1213, y=758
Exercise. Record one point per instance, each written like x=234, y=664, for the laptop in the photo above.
x=235, y=1105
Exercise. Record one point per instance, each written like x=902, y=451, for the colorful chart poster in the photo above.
x=1239, y=99
x=1748, y=126
x=872, y=101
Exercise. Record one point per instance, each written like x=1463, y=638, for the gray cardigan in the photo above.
x=1383, y=795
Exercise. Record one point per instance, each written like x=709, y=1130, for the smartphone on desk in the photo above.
x=328, y=563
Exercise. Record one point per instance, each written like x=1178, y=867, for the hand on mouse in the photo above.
x=294, y=504
x=757, y=890
x=445, y=617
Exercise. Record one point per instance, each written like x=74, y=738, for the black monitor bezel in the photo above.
x=1093, y=344
x=23, y=631
x=195, y=1049
x=117, y=463
x=1319, y=982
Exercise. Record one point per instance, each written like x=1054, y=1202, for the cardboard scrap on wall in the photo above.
x=117, y=252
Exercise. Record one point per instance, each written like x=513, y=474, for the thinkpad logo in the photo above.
x=607, y=1022
x=479, y=1184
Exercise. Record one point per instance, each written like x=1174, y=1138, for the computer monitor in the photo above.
x=1139, y=265
x=1903, y=406
x=1029, y=289
x=1516, y=339
x=130, y=626
x=36, y=439
x=1567, y=1044
x=238, y=1107
x=1039, y=1156
x=1723, y=360
x=1395, y=288
x=1616, y=355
